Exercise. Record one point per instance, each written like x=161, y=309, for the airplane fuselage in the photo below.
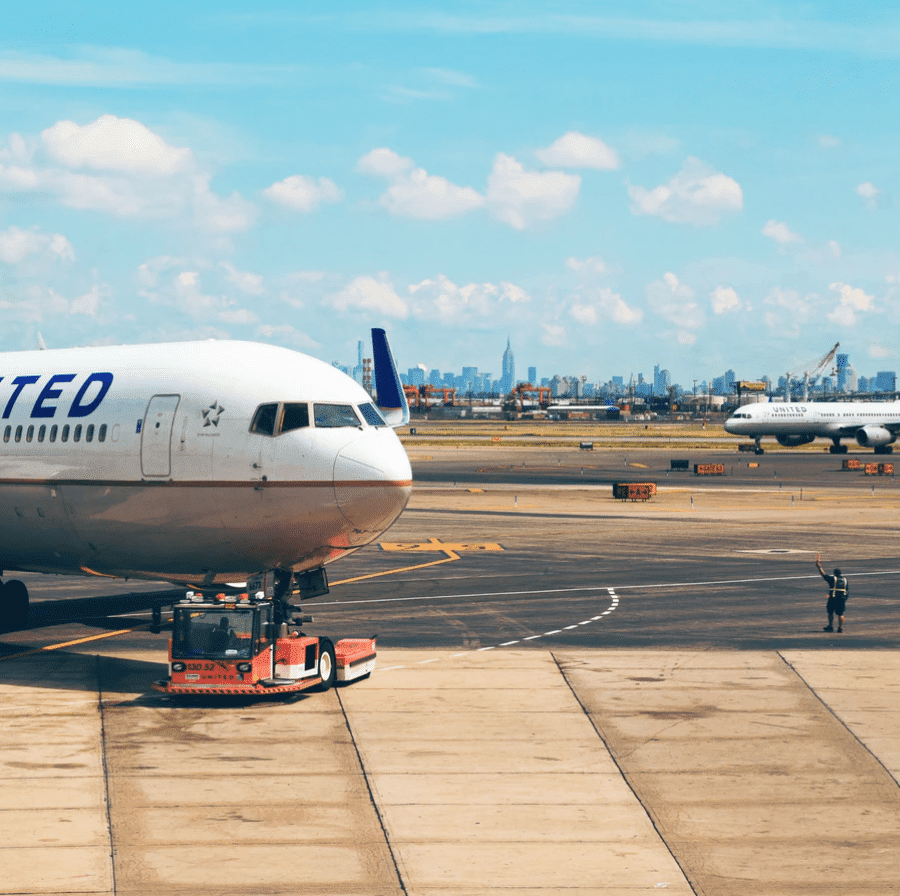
x=872, y=424
x=197, y=463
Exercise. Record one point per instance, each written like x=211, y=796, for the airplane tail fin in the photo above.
x=391, y=397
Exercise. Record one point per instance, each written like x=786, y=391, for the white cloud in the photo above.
x=114, y=144
x=367, y=293
x=17, y=244
x=149, y=272
x=429, y=197
x=852, y=301
x=881, y=351
x=602, y=306
x=117, y=166
x=789, y=310
x=383, y=162
x=725, y=299
x=686, y=338
x=252, y=284
x=593, y=265
x=304, y=194
x=221, y=214
x=834, y=248
x=237, y=316
x=87, y=304
x=520, y=198
x=576, y=150
x=873, y=196
x=458, y=305
x=286, y=333
x=184, y=291
x=554, y=335
x=780, y=232
x=696, y=195
x=675, y=302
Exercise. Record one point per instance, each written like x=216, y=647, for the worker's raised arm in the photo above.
x=819, y=567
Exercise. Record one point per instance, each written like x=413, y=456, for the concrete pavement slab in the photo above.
x=862, y=689
x=230, y=813
x=53, y=871
x=746, y=805
x=474, y=792
x=54, y=836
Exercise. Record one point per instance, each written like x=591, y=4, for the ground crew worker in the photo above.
x=838, y=591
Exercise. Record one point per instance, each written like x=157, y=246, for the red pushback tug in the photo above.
x=229, y=646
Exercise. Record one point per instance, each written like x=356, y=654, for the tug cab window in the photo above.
x=332, y=416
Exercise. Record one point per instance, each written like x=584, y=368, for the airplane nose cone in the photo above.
x=372, y=482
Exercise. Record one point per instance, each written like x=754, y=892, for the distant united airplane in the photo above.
x=873, y=424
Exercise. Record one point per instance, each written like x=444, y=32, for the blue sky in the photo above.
x=610, y=185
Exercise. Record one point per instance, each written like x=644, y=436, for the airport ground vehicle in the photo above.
x=231, y=646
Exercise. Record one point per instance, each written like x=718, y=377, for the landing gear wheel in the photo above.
x=327, y=664
x=13, y=606
x=759, y=450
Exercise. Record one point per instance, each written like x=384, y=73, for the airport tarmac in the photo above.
x=574, y=694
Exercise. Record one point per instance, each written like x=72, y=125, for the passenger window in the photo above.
x=41, y=433
x=18, y=433
x=371, y=415
x=65, y=432
x=101, y=433
x=330, y=416
x=264, y=419
x=295, y=416
x=29, y=435
x=76, y=435
x=7, y=433
x=89, y=433
x=53, y=431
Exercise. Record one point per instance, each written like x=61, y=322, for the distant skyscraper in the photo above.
x=532, y=375
x=508, y=377
x=358, y=370
x=843, y=362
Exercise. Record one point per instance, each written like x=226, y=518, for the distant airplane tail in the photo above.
x=391, y=397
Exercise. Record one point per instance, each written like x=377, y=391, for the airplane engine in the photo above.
x=793, y=440
x=875, y=436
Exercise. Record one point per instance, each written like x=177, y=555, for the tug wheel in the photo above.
x=327, y=664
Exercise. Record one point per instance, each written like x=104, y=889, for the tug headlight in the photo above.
x=178, y=667
x=244, y=667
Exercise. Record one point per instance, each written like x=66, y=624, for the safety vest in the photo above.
x=839, y=588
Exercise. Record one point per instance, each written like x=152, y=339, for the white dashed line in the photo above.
x=614, y=603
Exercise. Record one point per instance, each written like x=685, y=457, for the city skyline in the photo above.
x=839, y=376
x=697, y=185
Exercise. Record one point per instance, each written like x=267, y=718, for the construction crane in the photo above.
x=814, y=370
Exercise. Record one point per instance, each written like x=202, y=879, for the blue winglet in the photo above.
x=391, y=397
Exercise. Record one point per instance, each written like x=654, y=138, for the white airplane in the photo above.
x=198, y=463
x=873, y=424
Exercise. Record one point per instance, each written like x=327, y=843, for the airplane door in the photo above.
x=156, y=435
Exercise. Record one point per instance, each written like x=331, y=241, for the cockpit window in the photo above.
x=371, y=415
x=264, y=419
x=334, y=415
x=295, y=416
